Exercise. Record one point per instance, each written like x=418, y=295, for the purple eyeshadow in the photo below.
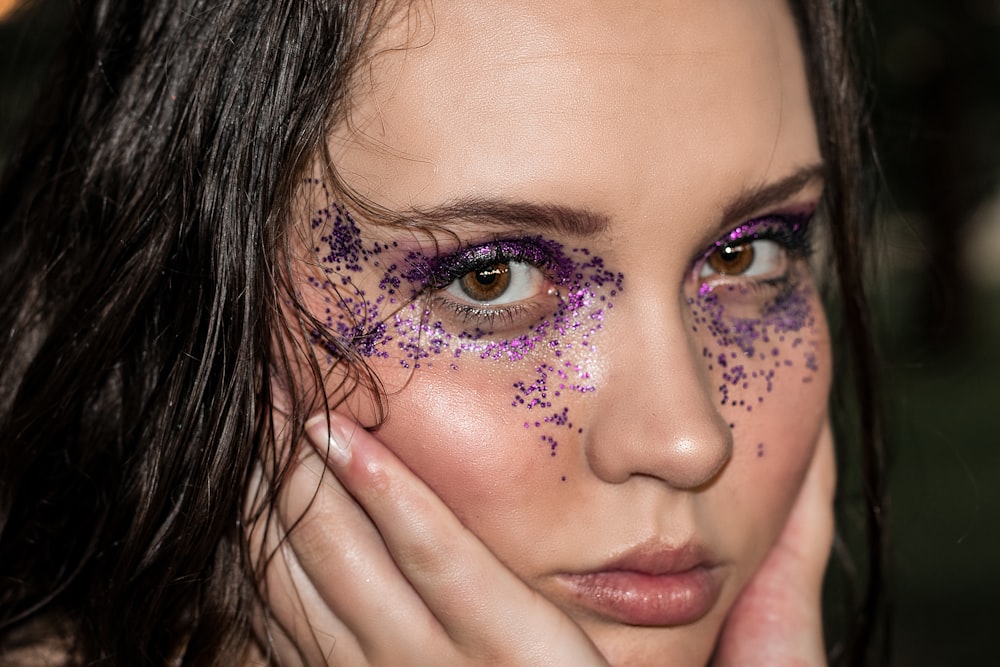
x=792, y=231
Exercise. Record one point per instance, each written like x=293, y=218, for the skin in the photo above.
x=658, y=119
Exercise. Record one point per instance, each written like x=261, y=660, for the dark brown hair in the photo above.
x=144, y=219
x=834, y=38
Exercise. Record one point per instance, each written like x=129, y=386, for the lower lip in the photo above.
x=637, y=598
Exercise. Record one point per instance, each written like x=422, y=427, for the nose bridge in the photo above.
x=658, y=414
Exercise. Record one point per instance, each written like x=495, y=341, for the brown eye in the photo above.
x=487, y=283
x=497, y=285
x=732, y=260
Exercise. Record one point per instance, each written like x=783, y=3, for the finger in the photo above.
x=294, y=626
x=329, y=576
x=354, y=591
x=475, y=598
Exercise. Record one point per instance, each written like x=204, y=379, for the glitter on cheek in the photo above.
x=374, y=307
x=748, y=355
x=354, y=320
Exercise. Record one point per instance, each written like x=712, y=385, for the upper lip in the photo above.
x=658, y=558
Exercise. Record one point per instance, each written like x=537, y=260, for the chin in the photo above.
x=633, y=646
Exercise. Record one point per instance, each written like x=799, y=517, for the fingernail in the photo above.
x=330, y=440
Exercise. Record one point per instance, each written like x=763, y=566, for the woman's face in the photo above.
x=600, y=342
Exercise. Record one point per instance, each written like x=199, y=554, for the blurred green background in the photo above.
x=937, y=113
x=936, y=101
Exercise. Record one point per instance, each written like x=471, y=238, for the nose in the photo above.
x=657, y=414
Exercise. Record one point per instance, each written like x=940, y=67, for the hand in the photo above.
x=373, y=569
x=777, y=620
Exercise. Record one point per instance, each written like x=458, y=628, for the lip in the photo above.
x=650, y=586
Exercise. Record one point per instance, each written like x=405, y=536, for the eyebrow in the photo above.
x=750, y=202
x=512, y=214
x=583, y=222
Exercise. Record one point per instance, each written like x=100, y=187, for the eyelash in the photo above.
x=484, y=318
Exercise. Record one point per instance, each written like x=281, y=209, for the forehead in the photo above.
x=649, y=105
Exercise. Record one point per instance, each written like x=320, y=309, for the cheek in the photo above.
x=457, y=431
x=773, y=450
x=454, y=431
x=776, y=444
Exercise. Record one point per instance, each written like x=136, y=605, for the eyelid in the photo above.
x=789, y=230
x=537, y=251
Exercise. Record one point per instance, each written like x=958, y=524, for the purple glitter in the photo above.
x=790, y=311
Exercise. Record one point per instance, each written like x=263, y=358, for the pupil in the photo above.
x=488, y=276
x=731, y=253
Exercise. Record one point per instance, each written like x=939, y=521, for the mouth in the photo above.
x=651, y=586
